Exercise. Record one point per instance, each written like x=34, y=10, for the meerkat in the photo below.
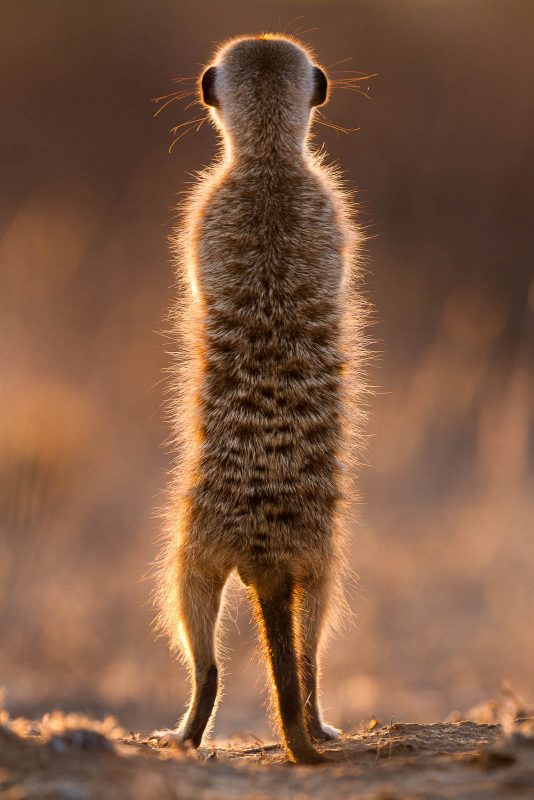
x=267, y=251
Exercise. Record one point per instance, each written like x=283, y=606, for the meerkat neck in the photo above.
x=270, y=154
x=265, y=160
x=268, y=140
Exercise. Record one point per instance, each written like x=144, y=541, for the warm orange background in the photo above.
x=444, y=165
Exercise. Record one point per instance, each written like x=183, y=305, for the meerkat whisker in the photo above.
x=329, y=124
x=352, y=72
x=187, y=122
x=362, y=92
x=361, y=77
x=303, y=32
x=192, y=78
x=177, y=139
x=195, y=102
x=172, y=99
x=184, y=93
x=293, y=21
x=192, y=125
x=342, y=61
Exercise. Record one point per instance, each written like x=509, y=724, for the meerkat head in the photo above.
x=262, y=92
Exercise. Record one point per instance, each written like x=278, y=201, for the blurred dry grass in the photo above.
x=444, y=546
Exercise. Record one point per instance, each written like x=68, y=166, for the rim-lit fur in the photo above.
x=267, y=391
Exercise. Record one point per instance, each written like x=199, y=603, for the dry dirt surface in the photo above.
x=70, y=757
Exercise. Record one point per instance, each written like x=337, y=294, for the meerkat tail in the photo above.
x=273, y=600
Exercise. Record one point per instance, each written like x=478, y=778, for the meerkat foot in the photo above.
x=173, y=739
x=322, y=732
x=329, y=733
x=309, y=756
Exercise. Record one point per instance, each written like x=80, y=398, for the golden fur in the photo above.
x=268, y=385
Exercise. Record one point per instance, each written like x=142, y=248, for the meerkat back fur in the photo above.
x=267, y=387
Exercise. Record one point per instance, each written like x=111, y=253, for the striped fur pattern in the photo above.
x=267, y=395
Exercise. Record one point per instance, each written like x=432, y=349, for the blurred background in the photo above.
x=443, y=162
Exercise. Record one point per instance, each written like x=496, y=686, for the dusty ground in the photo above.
x=74, y=758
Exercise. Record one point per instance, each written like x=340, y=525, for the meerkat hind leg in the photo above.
x=311, y=613
x=273, y=597
x=199, y=599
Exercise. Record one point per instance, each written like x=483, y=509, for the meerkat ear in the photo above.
x=320, y=87
x=208, y=87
